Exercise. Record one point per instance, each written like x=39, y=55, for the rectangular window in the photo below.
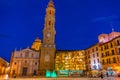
x=92, y=50
x=109, y=61
x=103, y=61
x=111, y=45
x=27, y=54
x=98, y=60
x=114, y=60
x=101, y=48
x=102, y=55
x=13, y=72
x=104, y=47
x=118, y=43
x=113, y=52
x=89, y=62
x=97, y=54
x=96, y=48
x=106, y=54
x=119, y=50
x=107, y=46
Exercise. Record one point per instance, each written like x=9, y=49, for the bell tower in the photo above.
x=47, y=57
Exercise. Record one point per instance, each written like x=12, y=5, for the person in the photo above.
x=14, y=76
x=101, y=75
x=107, y=74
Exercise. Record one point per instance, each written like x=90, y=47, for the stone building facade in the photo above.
x=104, y=53
x=4, y=66
x=92, y=57
x=24, y=63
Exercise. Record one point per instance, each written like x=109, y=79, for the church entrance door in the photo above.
x=24, y=72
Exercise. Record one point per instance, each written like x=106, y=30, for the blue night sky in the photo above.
x=78, y=23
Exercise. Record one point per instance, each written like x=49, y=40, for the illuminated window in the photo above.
x=103, y=61
x=97, y=54
x=107, y=60
x=89, y=62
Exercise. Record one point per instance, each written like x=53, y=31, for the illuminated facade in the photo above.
x=70, y=60
x=117, y=44
x=4, y=66
x=24, y=63
x=105, y=53
x=92, y=57
x=110, y=54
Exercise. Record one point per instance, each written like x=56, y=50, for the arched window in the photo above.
x=118, y=43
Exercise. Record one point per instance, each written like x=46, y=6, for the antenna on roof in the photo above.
x=112, y=27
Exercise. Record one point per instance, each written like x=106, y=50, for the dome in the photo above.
x=37, y=40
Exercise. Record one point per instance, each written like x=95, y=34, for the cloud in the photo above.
x=104, y=19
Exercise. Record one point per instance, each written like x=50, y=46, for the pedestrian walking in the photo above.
x=101, y=76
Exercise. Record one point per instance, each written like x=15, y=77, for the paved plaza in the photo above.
x=5, y=77
x=70, y=78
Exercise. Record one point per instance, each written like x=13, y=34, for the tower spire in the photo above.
x=51, y=4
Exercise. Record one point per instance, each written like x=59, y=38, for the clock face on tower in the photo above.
x=48, y=34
